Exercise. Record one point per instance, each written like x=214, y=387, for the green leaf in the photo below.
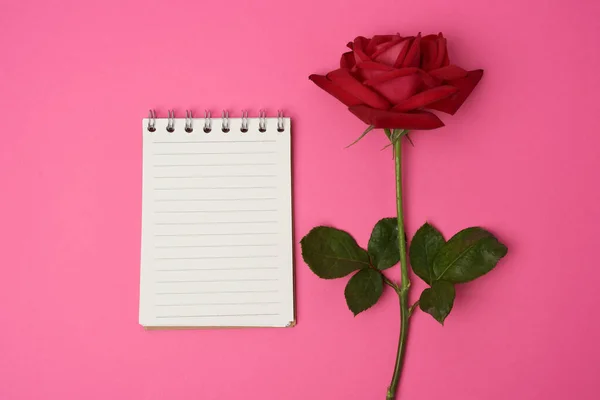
x=468, y=255
x=331, y=253
x=383, y=244
x=423, y=248
x=369, y=129
x=438, y=300
x=363, y=290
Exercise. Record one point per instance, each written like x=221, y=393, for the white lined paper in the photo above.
x=216, y=226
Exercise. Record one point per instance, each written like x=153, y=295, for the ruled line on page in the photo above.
x=213, y=258
x=191, y=246
x=219, y=292
x=215, y=153
x=215, y=222
x=222, y=199
x=215, y=176
x=218, y=304
x=216, y=141
x=217, y=234
x=216, y=269
x=221, y=280
x=208, y=211
x=217, y=315
x=214, y=165
x=214, y=187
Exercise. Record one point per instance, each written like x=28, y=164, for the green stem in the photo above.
x=413, y=308
x=402, y=291
x=389, y=282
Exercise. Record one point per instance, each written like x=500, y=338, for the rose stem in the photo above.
x=402, y=291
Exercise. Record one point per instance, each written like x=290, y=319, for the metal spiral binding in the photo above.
x=171, y=121
x=280, y=127
x=207, y=121
x=189, y=120
x=262, y=121
x=244, y=127
x=225, y=121
x=151, y=121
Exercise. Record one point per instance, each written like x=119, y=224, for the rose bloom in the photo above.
x=390, y=81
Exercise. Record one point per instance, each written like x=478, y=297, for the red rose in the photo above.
x=388, y=81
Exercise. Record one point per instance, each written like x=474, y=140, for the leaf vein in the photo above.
x=340, y=258
x=457, y=258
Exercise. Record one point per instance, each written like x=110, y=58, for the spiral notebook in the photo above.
x=216, y=222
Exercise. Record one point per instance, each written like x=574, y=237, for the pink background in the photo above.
x=520, y=158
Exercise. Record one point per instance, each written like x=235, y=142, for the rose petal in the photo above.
x=361, y=43
x=399, y=88
x=377, y=40
x=427, y=97
x=371, y=70
x=448, y=73
x=428, y=80
x=374, y=66
x=384, y=46
x=381, y=42
x=465, y=86
x=413, y=57
x=429, y=50
x=358, y=47
x=441, y=51
x=359, y=56
x=342, y=78
x=446, y=61
x=390, y=54
x=403, y=52
x=347, y=60
x=396, y=120
x=335, y=90
x=392, y=74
